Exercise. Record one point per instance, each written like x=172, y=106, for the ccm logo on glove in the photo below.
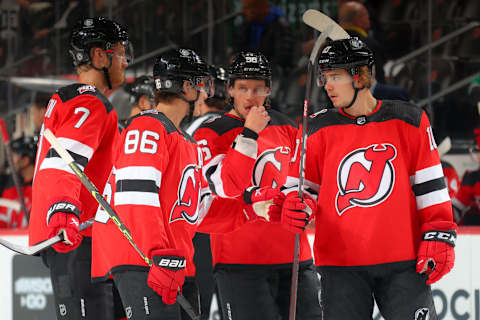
x=449, y=237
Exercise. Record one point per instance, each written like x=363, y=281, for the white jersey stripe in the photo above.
x=57, y=163
x=77, y=147
x=432, y=198
x=139, y=173
x=137, y=198
x=427, y=174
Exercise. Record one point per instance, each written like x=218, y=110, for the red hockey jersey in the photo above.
x=378, y=179
x=257, y=243
x=468, y=196
x=84, y=121
x=9, y=217
x=451, y=177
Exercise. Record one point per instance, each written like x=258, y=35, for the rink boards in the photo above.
x=26, y=291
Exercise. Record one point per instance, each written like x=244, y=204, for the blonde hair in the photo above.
x=365, y=76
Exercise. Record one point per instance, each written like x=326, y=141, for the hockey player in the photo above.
x=141, y=91
x=156, y=193
x=23, y=153
x=212, y=107
x=466, y=206
x=85, y=123
x=253, y=264
x=384, y=227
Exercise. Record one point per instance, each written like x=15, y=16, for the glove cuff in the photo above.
x=68, y=207
x=171, y=259
x=247, y=194
x=449, y=236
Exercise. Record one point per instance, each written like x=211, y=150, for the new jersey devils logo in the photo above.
x=365, y=177
x=186, y=206
x=269, y=165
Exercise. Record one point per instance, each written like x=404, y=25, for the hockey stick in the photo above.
x=328, y=29
x=320, y=21
x=444, y=146
x=16, y=179
x=34, y=250
x=108, y=209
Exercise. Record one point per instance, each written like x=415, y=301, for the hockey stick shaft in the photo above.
x=106, y=206
x=33, y=250
x=326, y=31
x=15, y=177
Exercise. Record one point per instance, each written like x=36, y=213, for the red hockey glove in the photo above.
x=63, y=217
x=259, y=201
x=167, y=273
x=436, y=254
x=275, y=211
x=297, y=212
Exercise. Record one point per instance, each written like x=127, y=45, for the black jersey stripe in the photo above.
x=429, y=186
x=137, y=185
x=79, y=159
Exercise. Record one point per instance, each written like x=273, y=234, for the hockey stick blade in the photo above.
x=444, y=146
x=35, y=249
x=320, y=21
x=87, y=183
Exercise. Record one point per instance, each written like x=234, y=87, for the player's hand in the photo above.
x=167, y=273
x=63, y=217
x=297, y=212
x=436, y=253
x=258, y=201
x=257, y=119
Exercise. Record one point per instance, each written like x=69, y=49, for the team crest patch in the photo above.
x=365, y=177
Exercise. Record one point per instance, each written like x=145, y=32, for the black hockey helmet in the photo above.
x=25, y=146
x=142, y=85
x=100, y=32
x=250, y=65
x=348, y=54
x=220, y=76
x=175, y=66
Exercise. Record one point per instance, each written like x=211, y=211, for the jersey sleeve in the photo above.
x=140, y=165
x=79, y=125
x=229, y=160
x=426, y=178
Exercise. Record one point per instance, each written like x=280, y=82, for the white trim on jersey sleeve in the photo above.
x=81, y=152
x=432, y=198
x=429, y=187
x=137, y=198
x=426, y=174
x=246, y=146
x=139, y=173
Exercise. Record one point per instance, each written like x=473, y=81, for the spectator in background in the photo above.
x=383, y=91
x=23, y=153
x=355, y=19
x=466, y=203
x=266, y=29
x=39, y=108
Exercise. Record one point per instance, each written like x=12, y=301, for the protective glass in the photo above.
x=205, y=84
x=254, y=92
x=333, y=78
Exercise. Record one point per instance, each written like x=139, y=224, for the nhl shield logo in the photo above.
x=422, y=314
x=365, y=177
